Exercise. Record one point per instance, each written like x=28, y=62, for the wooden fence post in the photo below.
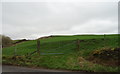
x=15, y=49
x=78, y=44
x=38, y=46
x=104, y=40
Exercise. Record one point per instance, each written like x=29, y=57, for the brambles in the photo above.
x=106, y=56
x=107, y=53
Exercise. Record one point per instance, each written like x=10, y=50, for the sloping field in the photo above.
x=70, y=56
x=63, y=43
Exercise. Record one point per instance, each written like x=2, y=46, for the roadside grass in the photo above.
x=66, y=62
x=71, y=59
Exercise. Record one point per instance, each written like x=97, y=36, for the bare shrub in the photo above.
x=5, y=41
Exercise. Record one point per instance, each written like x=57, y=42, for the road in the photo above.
x=7, y=68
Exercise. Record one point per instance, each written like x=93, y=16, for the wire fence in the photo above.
x=68, y=46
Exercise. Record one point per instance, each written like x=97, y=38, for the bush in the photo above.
x=0, y=40
x=107, y=53
x=5, y=41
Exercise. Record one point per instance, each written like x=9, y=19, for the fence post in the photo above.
x=78, y=44
x=15, y=49
x=38, y=46
x=104, y=40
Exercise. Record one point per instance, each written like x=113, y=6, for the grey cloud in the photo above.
x=32, y=20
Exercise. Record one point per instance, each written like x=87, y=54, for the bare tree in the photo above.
x=5, y=41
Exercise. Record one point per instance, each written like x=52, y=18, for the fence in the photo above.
x=69, y=46
x=56, y=47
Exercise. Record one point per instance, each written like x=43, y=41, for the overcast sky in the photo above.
x=31, y=20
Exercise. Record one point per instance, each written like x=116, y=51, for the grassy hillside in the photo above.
x=70, y=58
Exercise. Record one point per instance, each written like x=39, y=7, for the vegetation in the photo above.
x=5, y=40
x=71, y=58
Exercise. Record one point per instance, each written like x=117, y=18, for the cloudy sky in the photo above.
x=31, y=20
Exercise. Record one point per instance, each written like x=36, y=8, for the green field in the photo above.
x=71, y=57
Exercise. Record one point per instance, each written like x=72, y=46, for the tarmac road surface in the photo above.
x=9, y=68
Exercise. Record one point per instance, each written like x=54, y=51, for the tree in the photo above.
x=5, y=41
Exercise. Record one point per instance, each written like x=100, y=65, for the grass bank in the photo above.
x=71, y=58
